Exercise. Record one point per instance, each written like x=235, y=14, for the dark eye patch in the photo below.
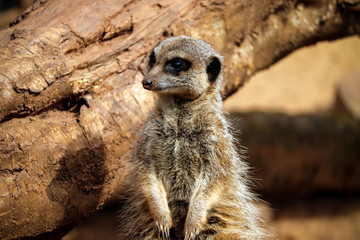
x=152, y=60
x=176, y=65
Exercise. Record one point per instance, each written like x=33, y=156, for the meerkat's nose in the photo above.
x=148, y=83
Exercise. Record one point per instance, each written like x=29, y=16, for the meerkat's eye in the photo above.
x=152, y=59
x=176, y=65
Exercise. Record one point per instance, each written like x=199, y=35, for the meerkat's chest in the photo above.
x=180, y=144
x=180, y=148
x=182, y=138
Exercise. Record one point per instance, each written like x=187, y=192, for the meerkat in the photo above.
x=187, y=181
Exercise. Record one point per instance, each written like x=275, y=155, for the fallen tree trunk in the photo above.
x=71, y=101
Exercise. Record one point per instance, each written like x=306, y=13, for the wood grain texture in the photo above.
x=71, y=101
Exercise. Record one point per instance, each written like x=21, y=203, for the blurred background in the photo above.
x=300, y=123
x=299, y=120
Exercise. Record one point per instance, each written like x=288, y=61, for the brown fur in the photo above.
x=187, y=181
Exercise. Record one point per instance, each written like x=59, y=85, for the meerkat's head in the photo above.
x=184, y=67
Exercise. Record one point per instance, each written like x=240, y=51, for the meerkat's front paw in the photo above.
x=192, y=228
x=164, y=226
x=191, y=234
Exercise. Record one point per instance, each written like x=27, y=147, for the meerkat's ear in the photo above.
x=213, y=69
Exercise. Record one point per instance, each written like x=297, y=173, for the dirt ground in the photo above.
x=330, y=218
x=327, y=218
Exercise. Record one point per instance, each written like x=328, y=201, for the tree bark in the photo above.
x=71, y=102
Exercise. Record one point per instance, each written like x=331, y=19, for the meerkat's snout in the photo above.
x=148, y=83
